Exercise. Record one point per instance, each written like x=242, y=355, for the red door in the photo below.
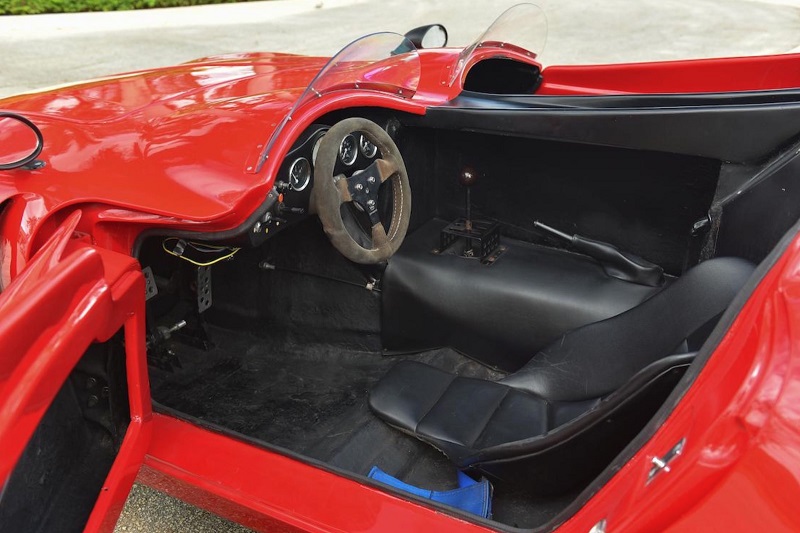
x=74, y=398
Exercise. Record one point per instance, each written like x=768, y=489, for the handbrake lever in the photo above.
x=616, y=263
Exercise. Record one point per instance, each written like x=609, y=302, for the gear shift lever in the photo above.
x=467, y=179
x=481, y=237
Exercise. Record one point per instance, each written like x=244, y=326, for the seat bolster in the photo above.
x=597, y=359
x=520, y=416
x=407, y=392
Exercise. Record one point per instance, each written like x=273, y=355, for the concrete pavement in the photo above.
x=44, y=50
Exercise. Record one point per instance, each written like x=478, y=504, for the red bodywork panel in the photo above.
x=87, y=294
x=176, y=147
x=692, y=76
x=270, y=492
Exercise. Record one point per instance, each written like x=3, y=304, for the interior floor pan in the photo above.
x=311, y=399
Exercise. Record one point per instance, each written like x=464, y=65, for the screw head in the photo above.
x=371, y=179
x=359, y=187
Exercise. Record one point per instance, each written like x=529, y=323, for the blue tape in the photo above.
x=471, y=496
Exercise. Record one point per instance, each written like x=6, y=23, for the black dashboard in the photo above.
x=295, y=178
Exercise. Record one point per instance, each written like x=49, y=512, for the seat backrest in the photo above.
x=596, y=359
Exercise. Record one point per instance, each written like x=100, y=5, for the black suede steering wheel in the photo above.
x=331, y=191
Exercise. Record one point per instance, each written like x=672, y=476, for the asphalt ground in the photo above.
x=45, y=50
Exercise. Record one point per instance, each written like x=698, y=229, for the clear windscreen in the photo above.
x=522, y=28
x=383, y=62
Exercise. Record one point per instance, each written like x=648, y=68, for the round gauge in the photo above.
x=316, y=149
x=348, y=150
x=300, y=174
x=367, y=148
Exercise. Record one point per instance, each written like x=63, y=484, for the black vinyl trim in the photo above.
x=234, y=235
x=767, y=171
x=641, y=100
x=740, y=128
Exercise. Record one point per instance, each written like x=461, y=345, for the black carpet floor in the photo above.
x=311, y=398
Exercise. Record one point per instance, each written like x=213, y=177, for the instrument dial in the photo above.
x=300, y=174
x=367, y=147
x=348, y=150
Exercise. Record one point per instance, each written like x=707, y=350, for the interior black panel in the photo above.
x=56, y=481
x=622, y=101
x=753, y=218
x=642, y=202
x=500, y=314
x=748, y=131
x=298, y=281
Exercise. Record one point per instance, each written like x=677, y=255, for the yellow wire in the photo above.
x=197, y=263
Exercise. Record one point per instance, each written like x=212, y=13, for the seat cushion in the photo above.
x=457, y=415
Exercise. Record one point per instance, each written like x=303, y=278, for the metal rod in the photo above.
x=468, y=223
x=552, y=231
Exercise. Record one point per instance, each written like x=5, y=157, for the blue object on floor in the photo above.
x=471, y=496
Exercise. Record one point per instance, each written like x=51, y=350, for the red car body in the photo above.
x=122, y=155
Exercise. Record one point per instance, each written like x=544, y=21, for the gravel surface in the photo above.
x=152, y=511
x=44, y=50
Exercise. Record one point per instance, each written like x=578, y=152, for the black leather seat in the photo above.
x=560, y=419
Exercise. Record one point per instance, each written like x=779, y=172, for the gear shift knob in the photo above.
x=468, y=177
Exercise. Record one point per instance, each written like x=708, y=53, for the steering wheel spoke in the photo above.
x=386, y=168
x=379, y=238
x=343, y=187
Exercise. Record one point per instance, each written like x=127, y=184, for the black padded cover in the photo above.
x=593, y=371
x=736, y=127
x=598, y=358
x=500, y=314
